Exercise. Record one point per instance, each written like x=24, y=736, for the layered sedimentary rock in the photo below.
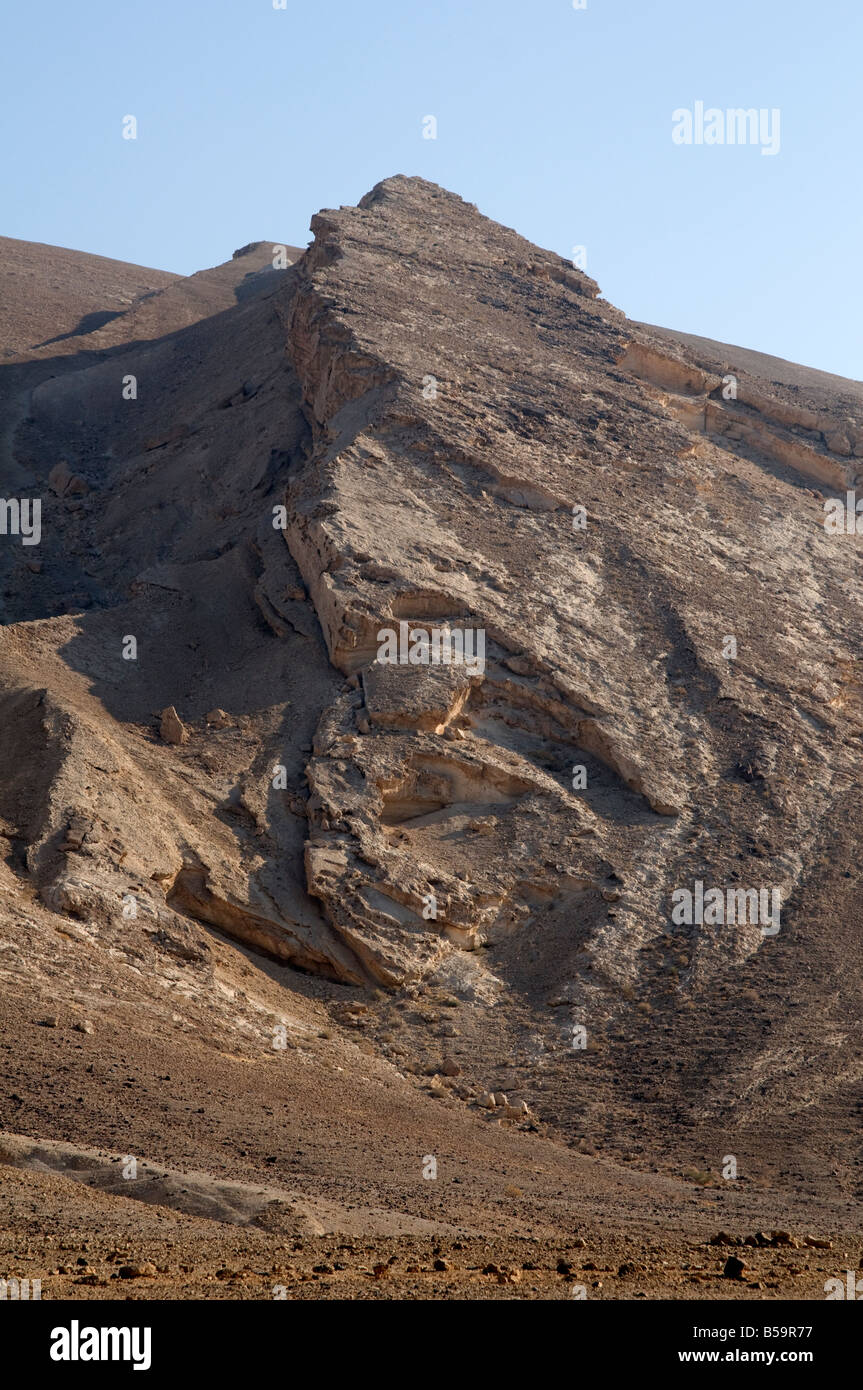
x=489, y=449
x=425, y=420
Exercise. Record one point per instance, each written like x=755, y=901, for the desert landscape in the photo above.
x=332, y=970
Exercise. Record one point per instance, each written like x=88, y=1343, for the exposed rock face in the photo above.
x=466, y=393
x=427, y=424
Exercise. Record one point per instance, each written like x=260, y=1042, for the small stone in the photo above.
x=145, y=1270
x=76, y=833
x=175, y=433
x=83, y=1026
x=441, y=1265
x=838, y=443
x=733, y=1268
x=50, y=1021
x=171, y=729
x=515, y=1112
x=64, y=482
x=451, y=1068
x=218, y=719
x=486, y=1100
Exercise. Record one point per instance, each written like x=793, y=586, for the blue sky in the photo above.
x=553, y=120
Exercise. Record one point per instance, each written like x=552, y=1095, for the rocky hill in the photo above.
x=330, y=914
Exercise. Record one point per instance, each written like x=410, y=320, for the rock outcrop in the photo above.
x=424, y=430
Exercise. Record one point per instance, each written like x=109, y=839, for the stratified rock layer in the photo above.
x=427, y=421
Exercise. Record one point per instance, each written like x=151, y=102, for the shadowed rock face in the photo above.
x=428, y=421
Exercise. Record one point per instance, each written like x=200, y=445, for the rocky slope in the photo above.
x=468, y=871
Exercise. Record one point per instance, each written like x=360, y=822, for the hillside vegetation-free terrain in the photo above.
x=376, y=979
